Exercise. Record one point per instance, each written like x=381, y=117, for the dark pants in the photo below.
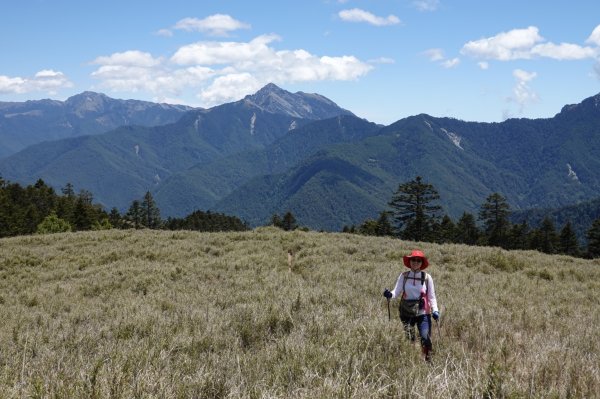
x=423, y=323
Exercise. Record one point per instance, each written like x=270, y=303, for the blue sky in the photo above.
x=382, y=59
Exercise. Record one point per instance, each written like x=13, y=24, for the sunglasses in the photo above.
x=419, y=260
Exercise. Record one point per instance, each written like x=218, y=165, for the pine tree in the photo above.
x=68, y=190
x=276, y=221
x=466, y=230
x=134, y=215
x=150, y=213
x=549, y=238
x=115, y=219
x=368, y=228
x=494, y=214
x=384, y=227
x=446, y=231
x=593, y=236
x=289, y=222
x=413, y=211
x=568, y=243
x=518, y=236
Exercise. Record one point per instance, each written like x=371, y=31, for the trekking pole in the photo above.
x=389, y=314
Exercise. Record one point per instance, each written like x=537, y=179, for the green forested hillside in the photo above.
x=160, y=314
x=205, y=184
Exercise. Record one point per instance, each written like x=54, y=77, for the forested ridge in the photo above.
x=415, y=214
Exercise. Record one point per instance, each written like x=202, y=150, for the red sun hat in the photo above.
x=416, y=254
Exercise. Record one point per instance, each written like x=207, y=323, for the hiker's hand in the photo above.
x=436, y=315
x=387, y=293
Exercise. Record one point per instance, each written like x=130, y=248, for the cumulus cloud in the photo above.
x=164, y=32
x=358, y=15
x=563, y=51
x=46, y=80
x=434, y=54
x=526, y=44
x=426, y=5
x=505, y=46
x=221, y=71
x=523, y=94
x=594, y=37
x=214, y=25
x=210, y=53
x=129, y=58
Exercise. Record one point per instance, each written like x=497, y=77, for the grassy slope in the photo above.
x=182, y=314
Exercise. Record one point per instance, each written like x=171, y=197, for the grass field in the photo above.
x=160, y=314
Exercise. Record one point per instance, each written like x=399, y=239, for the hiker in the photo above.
x=417, y=300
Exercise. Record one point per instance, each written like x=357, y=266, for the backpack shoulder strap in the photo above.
x=405, y=275
x=424, y=278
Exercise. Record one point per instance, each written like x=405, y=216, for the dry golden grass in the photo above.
x=158, y=314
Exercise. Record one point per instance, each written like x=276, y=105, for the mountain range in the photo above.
x=276, y=151
x=27, y=123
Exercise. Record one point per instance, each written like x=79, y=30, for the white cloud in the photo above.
x=564, y=51
x=12, y=85
x=451, y=63
x=434, y=54
x=214, y=25
x=437, y=55
x=222, y=71
x=526, y=44
x=358, y=15
x=426, y=5
x=594, y=37
x=597, y=70
x=129, y=58
x=523, y=94
x=211, y=53
x=382, y=60
x=229, y=87
x=483, y=65
x=165, y=33
x=505, y=46
x=46, y=80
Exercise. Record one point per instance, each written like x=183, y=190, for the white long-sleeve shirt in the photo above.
x=414, y=288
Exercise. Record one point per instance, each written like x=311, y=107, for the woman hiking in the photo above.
x=417, y=299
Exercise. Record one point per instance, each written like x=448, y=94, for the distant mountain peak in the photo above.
x=274, y=99
x=589, y=104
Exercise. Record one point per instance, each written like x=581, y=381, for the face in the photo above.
x=415, y=263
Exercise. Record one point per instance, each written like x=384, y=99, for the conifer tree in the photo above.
x=549, y=238
x=289, y=222
x=134, y=215
x=446, y=231
x=368, y=228
x=568, y=243
x=276, y=221
x=494, y=214
x=466, y=230
x=150, y=213
x=114, y=217
x=384, y=227
x=518, y=236
x=413, y=210
x=593, y=236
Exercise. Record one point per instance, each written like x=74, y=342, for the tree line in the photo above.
x=415, y=214
x=38, y=208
